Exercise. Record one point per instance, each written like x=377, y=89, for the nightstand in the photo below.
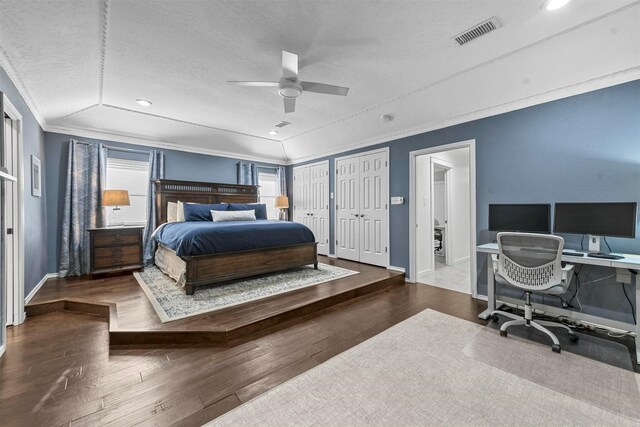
x=115, y=249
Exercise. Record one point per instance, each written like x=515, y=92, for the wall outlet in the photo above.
x=397, y=200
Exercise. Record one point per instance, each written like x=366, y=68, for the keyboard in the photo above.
x=604, y=255
x=578, y=254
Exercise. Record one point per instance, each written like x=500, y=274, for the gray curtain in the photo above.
x=281, y=186
x=156, y=171
x=86, y=179
x=247, y=173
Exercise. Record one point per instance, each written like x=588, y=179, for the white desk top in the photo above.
x=631, y=261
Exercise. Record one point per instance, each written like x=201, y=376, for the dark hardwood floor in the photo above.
x=60, y=370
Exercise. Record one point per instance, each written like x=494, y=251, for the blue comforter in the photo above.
x=205, y=237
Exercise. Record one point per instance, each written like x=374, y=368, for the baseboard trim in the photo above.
x=332, y=256
x=394, y=268
x=461, y=260
x=2, y=349
x=39, y=285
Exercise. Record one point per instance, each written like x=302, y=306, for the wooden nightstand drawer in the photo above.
x=117, y=256
x=115, y=249
x=115, y=239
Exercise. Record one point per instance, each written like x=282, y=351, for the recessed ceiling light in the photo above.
x=143, y=102
x=273, y=132
x=554, y=4
x=386, y=118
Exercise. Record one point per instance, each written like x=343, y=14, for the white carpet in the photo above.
x=427, y=371
x=171, y=303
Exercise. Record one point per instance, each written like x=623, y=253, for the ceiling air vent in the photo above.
x=477, y=31
x=282, y=124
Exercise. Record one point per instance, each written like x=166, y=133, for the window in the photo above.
x=268, y=193
x=133, y=176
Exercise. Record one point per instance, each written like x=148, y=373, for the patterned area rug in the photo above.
x=171, y=303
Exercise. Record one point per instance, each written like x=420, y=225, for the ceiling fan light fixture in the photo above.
x=144, y=102
x=554, y=4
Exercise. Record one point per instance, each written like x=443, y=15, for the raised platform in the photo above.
x=132, y=319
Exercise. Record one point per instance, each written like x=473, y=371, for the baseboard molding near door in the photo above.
x=39, y=285
x=332, y=256
x=2, y=349
x=461, y=260
x=394, y=268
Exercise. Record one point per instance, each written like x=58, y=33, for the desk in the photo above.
x=629, y=262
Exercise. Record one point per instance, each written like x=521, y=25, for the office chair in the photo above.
x=437, y=240
x=532, y=262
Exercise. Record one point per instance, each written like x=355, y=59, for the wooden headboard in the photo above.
x=199, y=192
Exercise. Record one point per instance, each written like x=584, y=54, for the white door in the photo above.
x=301, y=196
x=347, y=226
x=10, y=161
x=319, y=205
x=373, y=209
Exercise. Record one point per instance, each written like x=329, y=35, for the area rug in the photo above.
x=431, y=369
x=171, y=303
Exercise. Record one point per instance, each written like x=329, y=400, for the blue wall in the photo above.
x=581, y=148
x=178, y=165
x=35, y=209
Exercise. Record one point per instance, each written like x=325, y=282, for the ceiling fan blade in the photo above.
x=289, y=105
x=239, y=83
x=289, y=65
x=324, y=88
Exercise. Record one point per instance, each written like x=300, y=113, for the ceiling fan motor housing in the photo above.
x=288, y=88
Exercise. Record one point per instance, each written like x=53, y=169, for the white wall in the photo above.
x=459, y=226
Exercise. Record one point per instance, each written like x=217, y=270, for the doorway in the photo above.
x=12, y=238
x=442, y=217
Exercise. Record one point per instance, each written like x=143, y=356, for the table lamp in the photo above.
x=282, y=203
x=115, y=198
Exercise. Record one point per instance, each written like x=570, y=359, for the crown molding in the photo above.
x=591, y=85
x=148, y=142
x=8, y=67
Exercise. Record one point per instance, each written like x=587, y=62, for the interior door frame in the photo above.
x=18, y=303
x=447, y=209
x=384, y=150
x=328, y=193
x=471, y=145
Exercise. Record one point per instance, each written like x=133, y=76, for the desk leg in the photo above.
x=634, y=282
x=491, y=291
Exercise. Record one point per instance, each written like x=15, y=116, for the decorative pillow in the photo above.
x=224, y=216
x=201, y=212
x=259, y=208
x=180, y=211
x=172, y=212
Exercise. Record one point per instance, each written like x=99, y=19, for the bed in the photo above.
x=233, y=256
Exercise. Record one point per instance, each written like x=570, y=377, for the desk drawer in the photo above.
x=116, y=239
x=117, y=256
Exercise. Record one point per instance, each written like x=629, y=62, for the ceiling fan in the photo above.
x=290, y=86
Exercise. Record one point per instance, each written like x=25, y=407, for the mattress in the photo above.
x=192, y=238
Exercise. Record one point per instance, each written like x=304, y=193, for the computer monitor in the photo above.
x=609, y=219
x=529, y=218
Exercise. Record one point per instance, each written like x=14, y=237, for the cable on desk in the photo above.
x=633, y=310
x=582, y=243
x=607, y=243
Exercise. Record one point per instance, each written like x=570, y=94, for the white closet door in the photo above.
x=319, y=205
x=301, y=196
x=373, y=209
x=347, y=209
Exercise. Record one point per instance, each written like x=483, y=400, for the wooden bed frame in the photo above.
x=209, y=269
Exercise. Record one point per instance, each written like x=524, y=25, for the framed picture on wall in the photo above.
x=36, y=177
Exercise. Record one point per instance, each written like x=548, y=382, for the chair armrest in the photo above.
x=494, y=261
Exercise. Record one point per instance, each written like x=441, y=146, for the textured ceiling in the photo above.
x=82, y=64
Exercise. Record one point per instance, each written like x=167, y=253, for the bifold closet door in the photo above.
x=348, y=208
x=301, y=196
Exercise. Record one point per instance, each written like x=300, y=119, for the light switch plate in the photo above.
x=331, y=195
x=397, y=200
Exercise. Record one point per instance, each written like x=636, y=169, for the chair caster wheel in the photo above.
x=573, y=338
x=555, y=348
x=503, y=333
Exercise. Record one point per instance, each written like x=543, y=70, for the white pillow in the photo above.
x=223, y=216
x=180, y=212
x=172, y=212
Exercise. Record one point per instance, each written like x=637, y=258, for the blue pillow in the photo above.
x=260, y=208
x=202, y=212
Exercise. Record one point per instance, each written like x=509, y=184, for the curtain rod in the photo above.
x=109, y=147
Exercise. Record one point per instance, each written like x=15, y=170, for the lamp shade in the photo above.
x=282, y=202
x=115, y=198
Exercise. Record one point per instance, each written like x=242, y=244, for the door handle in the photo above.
x=362, y=215
x=356, y=215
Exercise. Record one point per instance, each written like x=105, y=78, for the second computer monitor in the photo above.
x=528, y=218
x=596, y=219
